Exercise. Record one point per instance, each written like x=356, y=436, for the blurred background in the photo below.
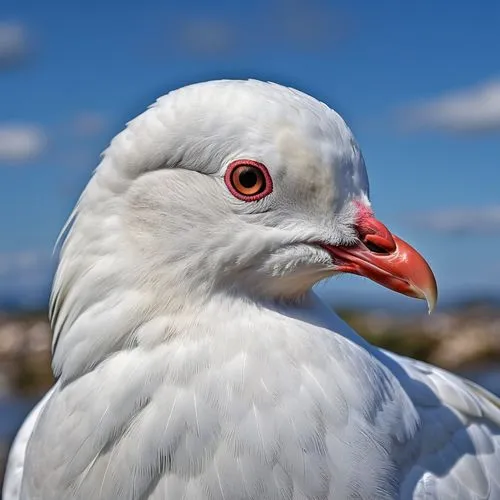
x=419, y=84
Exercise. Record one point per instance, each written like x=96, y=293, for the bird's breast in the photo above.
x=242, y=415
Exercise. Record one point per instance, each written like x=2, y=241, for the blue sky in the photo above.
x=418, y=83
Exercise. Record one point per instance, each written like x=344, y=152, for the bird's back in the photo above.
x=458, y=452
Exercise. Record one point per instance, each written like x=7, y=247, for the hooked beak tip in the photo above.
x=430, y=296
x=431, y=302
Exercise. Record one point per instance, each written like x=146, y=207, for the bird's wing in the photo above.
x=457, y=451
x=15, y=465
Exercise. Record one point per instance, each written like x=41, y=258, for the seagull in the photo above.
x=192, y=358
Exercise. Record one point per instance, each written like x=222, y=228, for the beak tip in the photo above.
x=428, y=293
x=430, y=307
x=431, y=296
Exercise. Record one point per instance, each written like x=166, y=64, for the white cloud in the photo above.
x=13, y=43
x=485, y=220
x=20, y=142
x=476, y=109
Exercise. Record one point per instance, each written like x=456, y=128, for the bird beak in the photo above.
x=386, y=259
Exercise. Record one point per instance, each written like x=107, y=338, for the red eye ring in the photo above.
x=248, y=180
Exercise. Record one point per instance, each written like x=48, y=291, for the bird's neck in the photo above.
x=129, y=322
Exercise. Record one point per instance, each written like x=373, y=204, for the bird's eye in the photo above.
x=248, y=180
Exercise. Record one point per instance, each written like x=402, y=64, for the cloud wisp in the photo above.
x=298, y=24
x=468, y=111
x=89, y=123
x=14, y=45
x=473, y=220
x=19, y=143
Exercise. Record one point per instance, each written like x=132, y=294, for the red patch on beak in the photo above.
x=386, y=259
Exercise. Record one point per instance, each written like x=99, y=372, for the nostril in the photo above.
x=376, y=237
x=375, y=248
x=378, y=244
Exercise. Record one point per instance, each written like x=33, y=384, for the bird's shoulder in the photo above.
x=456, y=452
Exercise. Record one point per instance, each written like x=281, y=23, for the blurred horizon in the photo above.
x=416, y=83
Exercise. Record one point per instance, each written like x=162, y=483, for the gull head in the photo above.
x=230, y=187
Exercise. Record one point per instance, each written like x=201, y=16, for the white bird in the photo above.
x=192, y=359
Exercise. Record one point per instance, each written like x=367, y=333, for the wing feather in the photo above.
x=15, y=464
x=459, y=437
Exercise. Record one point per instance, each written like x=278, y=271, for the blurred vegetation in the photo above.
x=410, y=343
x=25, y=355
x=462, y=338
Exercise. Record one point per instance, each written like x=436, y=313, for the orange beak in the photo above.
x=387, y=260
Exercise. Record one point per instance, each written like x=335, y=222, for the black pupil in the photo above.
x=248, y=178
